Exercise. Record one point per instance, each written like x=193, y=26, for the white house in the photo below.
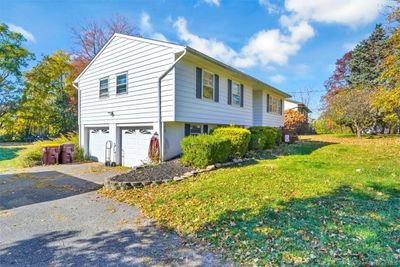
x=136, y=87
x=297, y=106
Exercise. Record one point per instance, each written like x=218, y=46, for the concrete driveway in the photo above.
x=51, y=216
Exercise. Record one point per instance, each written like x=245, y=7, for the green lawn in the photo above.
x=9, y=156
x=329, y=201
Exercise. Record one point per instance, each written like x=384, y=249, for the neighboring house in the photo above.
x=297, y=106
x=135, y=87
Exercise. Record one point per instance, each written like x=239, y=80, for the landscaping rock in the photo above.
x=210, y=167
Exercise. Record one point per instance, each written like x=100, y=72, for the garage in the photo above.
x=97, y=143
x=135, y=145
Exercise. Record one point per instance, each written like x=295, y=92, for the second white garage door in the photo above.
x=135, y=146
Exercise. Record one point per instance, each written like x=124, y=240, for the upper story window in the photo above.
x=103, y=90
x=122, y=83
x=274, y=105
x=208, y=85
x=236, y=96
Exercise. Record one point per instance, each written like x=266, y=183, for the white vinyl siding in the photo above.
x=143, y=63
x=194, y=110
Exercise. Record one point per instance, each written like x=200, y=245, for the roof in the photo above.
x=188, y=49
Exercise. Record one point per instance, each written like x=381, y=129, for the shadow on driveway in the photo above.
x=22, y=189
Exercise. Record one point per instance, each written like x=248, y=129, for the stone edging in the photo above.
x=129, y=185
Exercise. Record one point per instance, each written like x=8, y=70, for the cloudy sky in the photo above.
x=290, y=44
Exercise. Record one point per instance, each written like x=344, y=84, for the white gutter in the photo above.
x=160, y=126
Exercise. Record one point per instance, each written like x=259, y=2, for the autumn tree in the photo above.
x=294, y=122
x=45, y=105
x=90, y=38
x=13, y=58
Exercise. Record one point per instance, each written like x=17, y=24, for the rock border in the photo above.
x=115, y=185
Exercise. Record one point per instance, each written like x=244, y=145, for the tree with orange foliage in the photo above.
x=295, y=122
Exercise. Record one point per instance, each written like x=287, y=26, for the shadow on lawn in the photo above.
x=346, y=227
x=145, y=247
x=7, y=153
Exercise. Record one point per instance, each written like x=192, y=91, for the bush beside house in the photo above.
x=264, y=137
x=202, y=150
x=238, y=137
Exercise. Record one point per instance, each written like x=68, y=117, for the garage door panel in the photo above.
x=97, y=142
x=135, y=145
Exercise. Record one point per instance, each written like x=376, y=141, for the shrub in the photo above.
x=239, y=138
x=32, y=155
x=270, y=135
x=257, y=142
x=202, y=150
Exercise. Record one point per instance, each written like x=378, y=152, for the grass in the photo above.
x=9, y=155
x=328, y=200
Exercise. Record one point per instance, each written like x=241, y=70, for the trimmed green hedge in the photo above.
x=268, y=136
x=202, y=150
x=239, y=138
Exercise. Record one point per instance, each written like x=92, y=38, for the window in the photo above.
x=195, y=129
x=208, y=85
x=103, y=87
x=121, y=83
x=236, y=93
x=275, y=105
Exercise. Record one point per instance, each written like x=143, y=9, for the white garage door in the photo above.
x=135, y=146
x=97, y=143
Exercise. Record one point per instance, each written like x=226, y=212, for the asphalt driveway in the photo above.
x=51, y=216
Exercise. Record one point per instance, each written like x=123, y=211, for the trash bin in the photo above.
x=50, y=155
x=67, y=153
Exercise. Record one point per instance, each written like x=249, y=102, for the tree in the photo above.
x=353, y=106
x=365, y=64
x=13, y=58
x=294, y=122
x=46, y=102
x=90, y=39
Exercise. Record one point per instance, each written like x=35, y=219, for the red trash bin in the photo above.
x=67, y=153
x=50, y=155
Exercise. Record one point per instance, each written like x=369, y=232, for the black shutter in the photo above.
x=187, y=129
x=216, y=88
x=205, y=128
x=267, y=102
x=241, y=95
x=281, y=108
x=198, y=82
x=229, y=92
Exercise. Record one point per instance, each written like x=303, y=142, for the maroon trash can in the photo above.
x=50, y=155
x=67, y=153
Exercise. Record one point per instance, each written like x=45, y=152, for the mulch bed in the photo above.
x=163, y=171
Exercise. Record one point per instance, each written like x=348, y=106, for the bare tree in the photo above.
x=90, y=39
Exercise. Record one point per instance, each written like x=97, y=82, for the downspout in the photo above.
x=79, y=111
x=160, y=126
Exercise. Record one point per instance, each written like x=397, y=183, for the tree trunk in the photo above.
x=358, y=130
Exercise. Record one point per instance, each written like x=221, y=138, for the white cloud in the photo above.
x=212, y=2
x=345, y=12
x=349, y=46
x=28, y=35
x=277, y=78
x=147, y=28
x=263, y=48
x=269, y=6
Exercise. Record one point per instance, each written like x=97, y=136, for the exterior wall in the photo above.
x=291, y=105
x=258, y=108
x=194, y=110
x=261, y=116
x=144, y=62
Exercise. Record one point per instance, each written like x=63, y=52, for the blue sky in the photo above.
x=290, y=44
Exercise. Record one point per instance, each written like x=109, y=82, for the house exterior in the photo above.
x=136, y=88
x=297, y=106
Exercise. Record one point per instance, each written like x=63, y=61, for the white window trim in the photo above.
x=240, y=95
x=202, y=86
x=108, y=87
x=116, y=83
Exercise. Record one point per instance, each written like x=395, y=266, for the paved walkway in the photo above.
x=51, y=216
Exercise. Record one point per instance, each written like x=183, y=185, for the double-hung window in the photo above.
x=103, y=90
x=122, y=83
x=208, y=85
x=236, y=96
x=195, y=129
